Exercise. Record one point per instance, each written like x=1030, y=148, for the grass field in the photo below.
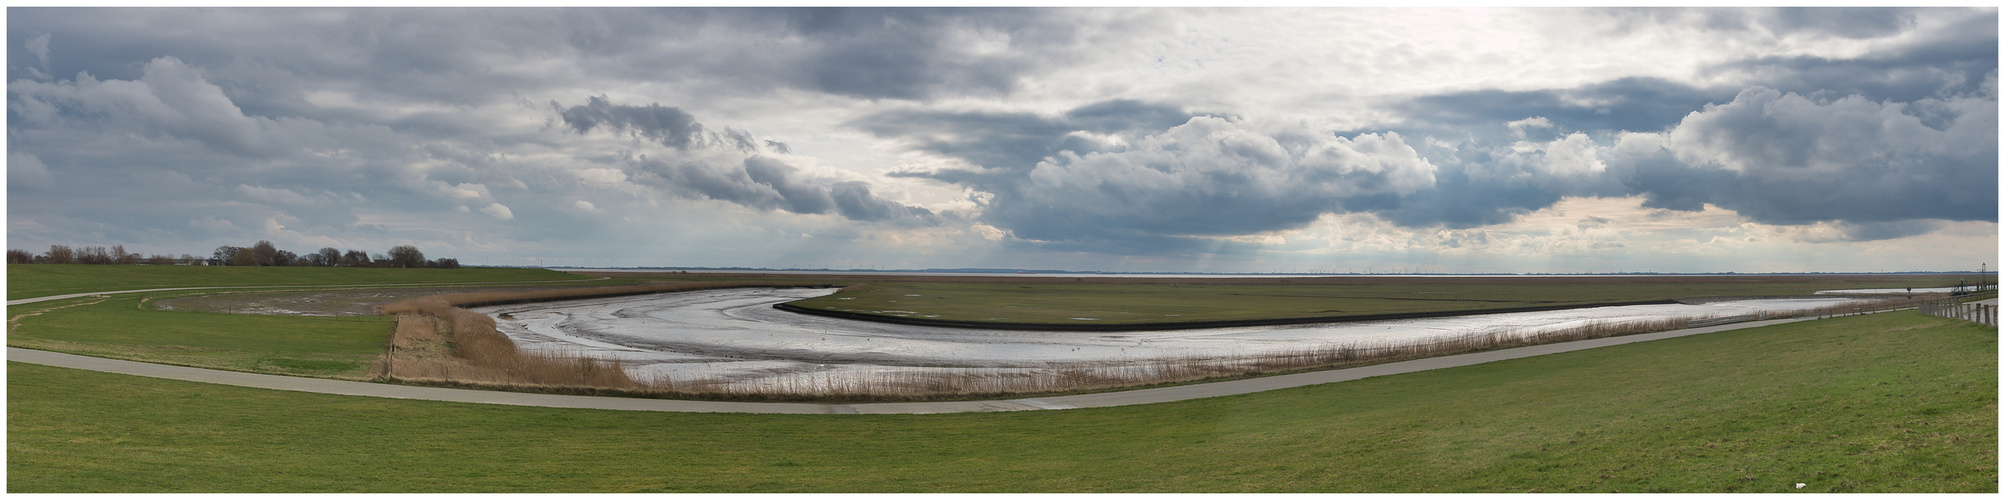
x=39, y=280
x=1895, y=402
x=332, y=347
x=1133, y=303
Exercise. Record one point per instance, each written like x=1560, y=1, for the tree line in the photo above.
x=261, y=254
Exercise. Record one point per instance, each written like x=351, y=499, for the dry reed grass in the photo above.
x=969, y=383
x=438, y=343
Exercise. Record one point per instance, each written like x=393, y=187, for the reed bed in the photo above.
x=437, y=342
x=971, y=383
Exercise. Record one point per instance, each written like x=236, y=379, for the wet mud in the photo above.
x=737, y=335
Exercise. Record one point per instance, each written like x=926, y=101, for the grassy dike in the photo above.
x=41, y=280
x=1895, y=402
x=1099, y=304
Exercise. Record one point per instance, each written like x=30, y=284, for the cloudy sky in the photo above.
x=1236, y=140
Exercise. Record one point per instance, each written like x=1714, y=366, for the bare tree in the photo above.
x=329, y=256
x=94, y=254
x=189, y=260
x=61, y=254
x=20, y=257
x=244, y=257
x=224, y=256
x=356, y=258
x=265, y=253
x=285, y=258
x=407, y=256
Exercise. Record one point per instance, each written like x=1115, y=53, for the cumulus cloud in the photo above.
x=169, y=99
x=375, y=125
x=1518, y=127
x=1797, y=160
x=25, y=171
x=39, y=46
x=1206, y=177
x=670, y=126
x=498, y=211
x=768, y=184
x=1017, y=141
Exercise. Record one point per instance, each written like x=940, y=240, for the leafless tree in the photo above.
x=244, y=257
x=265, y=253
x=329, y=256
x=121, y=257
x=61, y=254
x=356, y=258
x=20, y=257
x=225, y=255
x=407, y=256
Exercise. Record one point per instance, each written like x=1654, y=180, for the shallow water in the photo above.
x=1945, y=289
x=736, y=335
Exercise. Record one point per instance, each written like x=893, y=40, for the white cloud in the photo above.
x=1518, y=127
x=601, y=177
x=26, y=171
x=498, y=211
x=587, y=206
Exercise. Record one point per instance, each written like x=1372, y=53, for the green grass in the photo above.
x=1151, y=303
x=39, y=280
x=336, y=347
x=1894, y=402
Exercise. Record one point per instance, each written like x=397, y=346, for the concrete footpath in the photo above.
x=1144, y=396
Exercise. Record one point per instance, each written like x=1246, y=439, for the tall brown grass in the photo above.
x=969, y=383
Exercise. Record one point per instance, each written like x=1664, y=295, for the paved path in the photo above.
x=1144, y=396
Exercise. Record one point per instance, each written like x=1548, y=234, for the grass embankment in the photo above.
x=1047, y=302
x=122, y=328
x=40, y=280
x=1895, y=402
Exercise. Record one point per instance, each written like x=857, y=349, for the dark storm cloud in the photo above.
x=1890, y=230
x=1852, y=23
x=1637, y=104
x=1950, y=61
x=1206, y=176
x=799, y=198
x=914, y=53
x=670, y=126
x=1797, y=160
x=768, y=184
x=1017, y=141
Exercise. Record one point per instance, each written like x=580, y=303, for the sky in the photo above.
x=1303, y=140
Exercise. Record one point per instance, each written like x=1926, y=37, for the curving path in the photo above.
x=1143, y=396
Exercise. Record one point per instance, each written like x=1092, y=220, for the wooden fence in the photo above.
x=1967, y=311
